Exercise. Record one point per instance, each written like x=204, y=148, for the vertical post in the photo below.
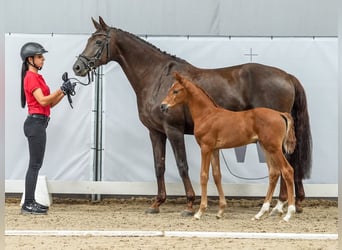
x=2, y=123
x=98, y=111
x=340, y=121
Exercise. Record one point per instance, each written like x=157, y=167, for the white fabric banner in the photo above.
x=70, y=132
x=127, y=154
x=313, y=61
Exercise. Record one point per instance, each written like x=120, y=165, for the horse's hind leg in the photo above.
x=216, y=171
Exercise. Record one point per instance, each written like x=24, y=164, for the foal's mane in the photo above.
x=202, y=91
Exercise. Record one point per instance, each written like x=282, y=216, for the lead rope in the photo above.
x=237, y=176
x=76, y=81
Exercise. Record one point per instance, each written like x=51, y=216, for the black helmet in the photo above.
x=31, y=49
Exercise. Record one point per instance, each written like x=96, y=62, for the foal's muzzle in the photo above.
x=164, y=107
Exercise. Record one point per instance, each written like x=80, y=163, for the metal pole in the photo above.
x=340, y=123
x=97, y=163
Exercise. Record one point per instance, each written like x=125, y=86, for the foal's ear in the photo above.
x=177, y=76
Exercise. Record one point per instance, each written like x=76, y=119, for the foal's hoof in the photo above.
x=218, y=216
x=152, y=210
x=197, y=216
x=187, y=213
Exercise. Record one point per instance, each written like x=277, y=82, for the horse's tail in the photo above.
x=301, y=159
x=289, y=142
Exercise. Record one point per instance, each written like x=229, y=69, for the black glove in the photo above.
x=68, y=88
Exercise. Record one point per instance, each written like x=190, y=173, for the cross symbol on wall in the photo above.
x=250, y=54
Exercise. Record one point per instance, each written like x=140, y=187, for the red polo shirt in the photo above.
x=33, y=81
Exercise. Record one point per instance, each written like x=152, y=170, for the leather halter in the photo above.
x=90, y=62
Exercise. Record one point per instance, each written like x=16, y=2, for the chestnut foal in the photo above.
x=216, y=128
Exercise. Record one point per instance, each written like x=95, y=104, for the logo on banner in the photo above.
x=240, y=154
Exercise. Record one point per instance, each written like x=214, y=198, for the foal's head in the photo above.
x=177, y=94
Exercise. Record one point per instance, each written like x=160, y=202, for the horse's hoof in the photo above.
x=187, y=213
x=152, y=210
x=299, y=209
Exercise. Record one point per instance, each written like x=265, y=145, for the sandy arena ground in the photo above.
x=128, y=214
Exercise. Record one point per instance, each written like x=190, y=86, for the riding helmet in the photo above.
x=31, y=49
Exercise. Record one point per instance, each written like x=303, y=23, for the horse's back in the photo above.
x=247, y=86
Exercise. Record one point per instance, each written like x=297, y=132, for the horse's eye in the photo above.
x=175, y=91
x=98, y=42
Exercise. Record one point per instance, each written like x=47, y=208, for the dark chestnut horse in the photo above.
x=216, y=128
x=236, y=88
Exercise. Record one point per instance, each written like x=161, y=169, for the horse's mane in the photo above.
x=137, y=38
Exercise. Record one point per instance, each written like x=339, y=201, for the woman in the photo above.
x=36, y=93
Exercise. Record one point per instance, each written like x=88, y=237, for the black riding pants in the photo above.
x=35, y=131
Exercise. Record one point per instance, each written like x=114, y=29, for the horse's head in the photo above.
x=97, y=50
x=177, y=94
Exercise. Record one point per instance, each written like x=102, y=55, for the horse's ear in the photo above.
x=96, y=24
x=103, y=24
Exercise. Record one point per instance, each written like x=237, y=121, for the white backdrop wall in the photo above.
x=127, y=154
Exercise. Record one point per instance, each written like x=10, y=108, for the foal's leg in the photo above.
x=273, y=174
x=205, y=163
x=299, y=189
x=287, y=173
x=278, y=209
x=215, y=163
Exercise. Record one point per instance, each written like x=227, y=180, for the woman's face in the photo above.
x=37, y=60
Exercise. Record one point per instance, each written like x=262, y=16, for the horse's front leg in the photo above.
x=205, y=163
x=158, y=141
x=176, y=138
x=216, y=171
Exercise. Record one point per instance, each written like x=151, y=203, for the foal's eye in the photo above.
x=175, y=92
x=98, y=42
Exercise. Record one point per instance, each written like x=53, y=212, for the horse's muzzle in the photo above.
x=164, y=107
x=79, y=70
x=80, y=67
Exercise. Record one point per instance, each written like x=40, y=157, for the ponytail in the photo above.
x=24, y=68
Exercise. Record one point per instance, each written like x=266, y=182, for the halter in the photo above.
x=90, y=62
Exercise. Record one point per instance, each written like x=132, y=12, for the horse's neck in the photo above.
x=200, y=104
x=138, y=59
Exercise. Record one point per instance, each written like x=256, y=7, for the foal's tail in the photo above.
x=289, y=142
